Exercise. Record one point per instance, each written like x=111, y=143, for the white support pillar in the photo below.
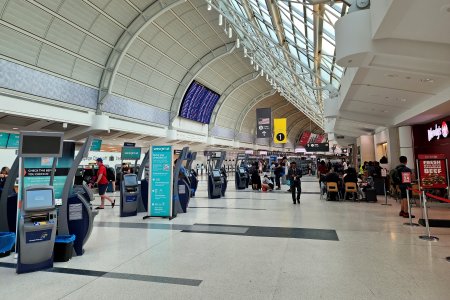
x=406, y=144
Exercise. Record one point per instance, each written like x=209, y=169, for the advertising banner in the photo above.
x=161, y=181
x=304, y=138
x=38, y=170
x=96, y=145
x=263, y=122
x=432, y=171
x=279, y=131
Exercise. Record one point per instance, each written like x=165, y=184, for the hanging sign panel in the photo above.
x=160, y=183
x=279, y=131
x=263, y=122
x=433, y=171
x=317, y=147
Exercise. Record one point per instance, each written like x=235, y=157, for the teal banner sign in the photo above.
x=160, y=181
x=131, y=153
x=3, y=139
x=96, y=145
x=13, y=141
x=38, y=170
x=9, y=140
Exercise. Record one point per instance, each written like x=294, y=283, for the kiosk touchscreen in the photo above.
x=37, y=229
x=129, y=195
x=216, y=173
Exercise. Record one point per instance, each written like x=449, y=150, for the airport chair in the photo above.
x=350, y=187
x=332, y=187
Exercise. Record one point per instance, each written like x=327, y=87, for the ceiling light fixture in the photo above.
x=403, y=100
x=15, y=128
x=220, y=20
x=230, y=32
x=209, y=5
x=426, y=80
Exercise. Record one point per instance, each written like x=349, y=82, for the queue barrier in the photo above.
x=410, y=223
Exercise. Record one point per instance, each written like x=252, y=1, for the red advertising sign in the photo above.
x=433, y=172
x=320, y=138
x=305, y=138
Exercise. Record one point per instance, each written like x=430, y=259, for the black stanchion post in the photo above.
x=410, y=223
x=385, y=194
x=427, y=237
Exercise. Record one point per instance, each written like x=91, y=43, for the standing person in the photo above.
x=102, y=183
x=322, y=171
x=397, y=177
x=294, y=175
x=278, y=171
x=3, y=176
x=345, y=165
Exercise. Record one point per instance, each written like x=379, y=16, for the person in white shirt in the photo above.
x=344, y=164
x=267, y=184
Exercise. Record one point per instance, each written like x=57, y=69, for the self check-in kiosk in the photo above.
x=130, y=184
x=129, y=193
x=37, y=229
x=215, y=178
x=241, y=175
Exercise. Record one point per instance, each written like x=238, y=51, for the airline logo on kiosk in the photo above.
x=38, y=236
x=438, y=131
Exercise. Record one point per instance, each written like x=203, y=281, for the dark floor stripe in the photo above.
x=222, y=207
x=235, y=198
x=126, y=276
x=283, y=232
x=143, y=225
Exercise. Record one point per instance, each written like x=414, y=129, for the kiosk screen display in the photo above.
x=38, y=199
x=216, y=173
x=242, y=170
x=130, y=180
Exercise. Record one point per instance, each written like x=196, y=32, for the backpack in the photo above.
x=394, y=174
x=110, y=174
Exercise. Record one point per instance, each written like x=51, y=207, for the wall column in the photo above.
x=406, y=144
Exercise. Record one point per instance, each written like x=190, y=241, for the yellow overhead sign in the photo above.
x=279, y=131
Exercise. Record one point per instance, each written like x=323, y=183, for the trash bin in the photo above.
x=63, y=249
x=7, y=240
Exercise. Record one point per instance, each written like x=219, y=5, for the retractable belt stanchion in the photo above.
x=427, y=237
x=410, y=223
x=385, y=194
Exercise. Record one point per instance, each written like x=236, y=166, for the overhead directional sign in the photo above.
x=279, y=131
x=263, y=122
x=317, y=147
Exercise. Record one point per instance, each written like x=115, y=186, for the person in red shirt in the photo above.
x=102, y=183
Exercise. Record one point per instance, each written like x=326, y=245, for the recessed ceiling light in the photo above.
x=426, y=80
x=15, y=128
x=403, y=100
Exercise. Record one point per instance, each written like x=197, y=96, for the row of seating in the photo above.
x=349, y=187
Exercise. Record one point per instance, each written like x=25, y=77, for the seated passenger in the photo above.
x=332, y=176
x=267, y=183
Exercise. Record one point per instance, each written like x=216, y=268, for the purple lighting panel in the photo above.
x=198, y=103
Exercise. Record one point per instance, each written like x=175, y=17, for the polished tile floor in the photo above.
x=250, y=245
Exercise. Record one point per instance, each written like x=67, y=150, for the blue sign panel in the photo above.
x=160, y=187
x=38, y=236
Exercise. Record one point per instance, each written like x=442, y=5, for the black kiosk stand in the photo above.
x=241, y=176
x=36, y=229
x=215, y=179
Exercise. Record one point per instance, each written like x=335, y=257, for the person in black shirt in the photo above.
x=294, y=175
x=402, y=168
x=332, y=176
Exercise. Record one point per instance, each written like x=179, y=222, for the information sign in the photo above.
x=13, y=141
x=317, y=147
x=96, y=145
x=161, y=179
x=131, y=153
x=264, y=122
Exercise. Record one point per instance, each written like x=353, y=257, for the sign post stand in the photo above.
x=384, y=175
